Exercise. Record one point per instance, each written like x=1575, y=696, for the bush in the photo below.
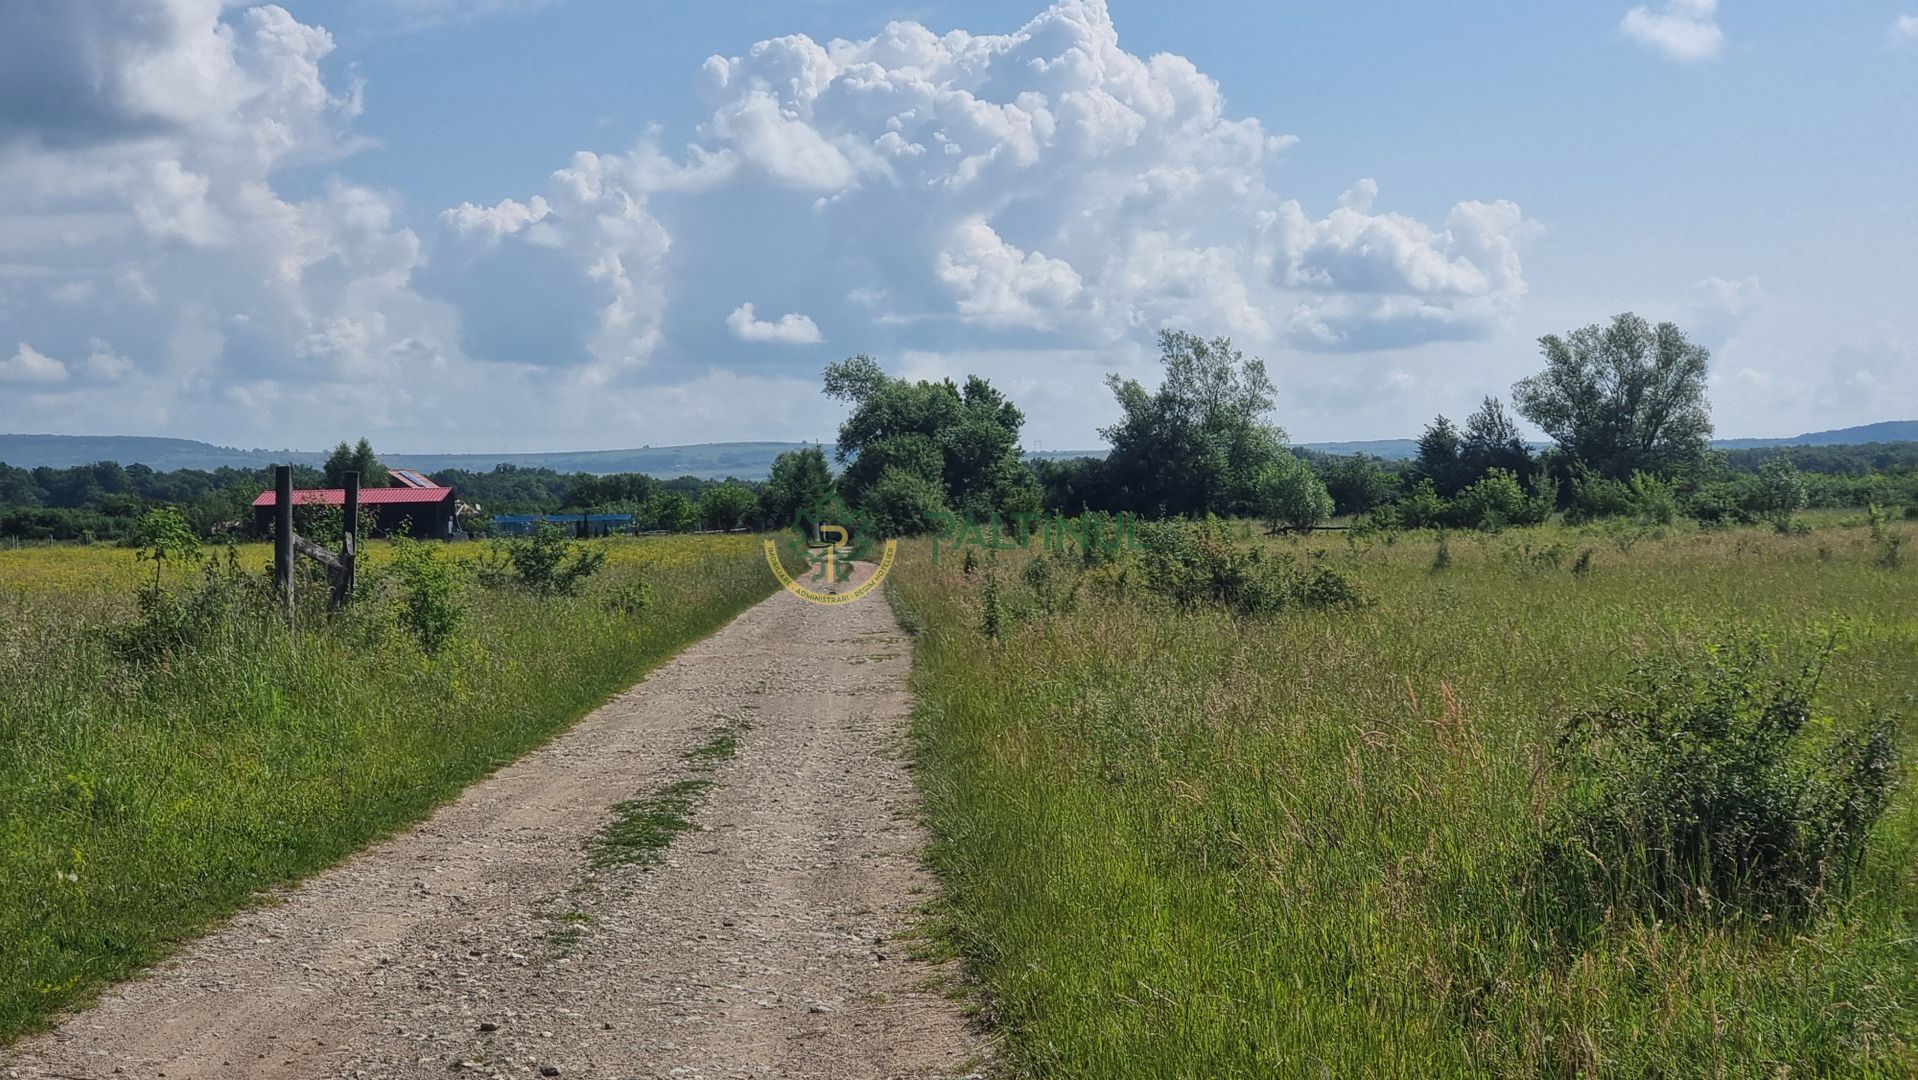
x=1654, y=498
x=548, y=563
x=1778, y=495
x=633, y=598
x=1196, y=563
x=1595, y=497
x=1291, y=495
x=170, y=624
x=430, y=586
x=1497, y=500
x=1707, y=787
x=1720, y=503
x=1423, y=508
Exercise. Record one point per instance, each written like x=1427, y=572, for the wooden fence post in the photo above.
x=283, y=534
x=350, y=551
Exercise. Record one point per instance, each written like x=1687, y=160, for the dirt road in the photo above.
x=766, y=942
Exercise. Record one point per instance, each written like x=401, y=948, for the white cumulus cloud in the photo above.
x=791, y=328
x=30, y=365
x=1905, y=28
x=1041, y=192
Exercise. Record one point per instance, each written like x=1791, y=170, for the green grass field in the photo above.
x=1179, y=844
x=139, y=804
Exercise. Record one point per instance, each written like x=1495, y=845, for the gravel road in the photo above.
x=766, y=942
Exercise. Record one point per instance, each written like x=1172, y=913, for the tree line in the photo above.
x=1624, y=404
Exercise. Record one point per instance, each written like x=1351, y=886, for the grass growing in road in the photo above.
x=141, y=802
x=643, y=828
x=1179, y=843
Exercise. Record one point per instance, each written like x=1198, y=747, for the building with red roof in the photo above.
x=423, y=513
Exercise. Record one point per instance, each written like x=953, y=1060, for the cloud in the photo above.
x=1683, y=30
x=1719, y=307
x=789, y=329
x=30, y=365
x=1904, y=28
x=1038, y=193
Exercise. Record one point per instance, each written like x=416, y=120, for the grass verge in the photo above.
x=140, y=804
x=1185, y=844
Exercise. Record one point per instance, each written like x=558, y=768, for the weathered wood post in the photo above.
x=283, y=534
x=350, y=549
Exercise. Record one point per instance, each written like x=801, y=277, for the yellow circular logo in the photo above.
x=829, y=572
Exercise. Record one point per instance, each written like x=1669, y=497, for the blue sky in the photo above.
x=278, y=226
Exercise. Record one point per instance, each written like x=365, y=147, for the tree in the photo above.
x=1358, y=483
x=669, y=510
x=163, y=536
x=902, y=503
x=800, y=480
x=1623, y=397
x=1201, y=441
x=1778, y=494
x=1292, y=496
x=1438, y=458
x=1492, y=440
x=962, y=441
x=360, y=459
x=727, y=506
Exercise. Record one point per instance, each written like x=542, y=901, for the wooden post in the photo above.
x=283, y=534
x=350, y=550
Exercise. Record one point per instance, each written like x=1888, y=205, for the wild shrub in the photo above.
x=1778, y=494
x=1890, y=545
x=1197, y=563
x=549, y=564
x=1422, y=508
x=1582, y=566
x=1710, y=786
x=430, y=584
x=1497, y=500
x=163, y=536
x=1291, y=495
x=170, y=623
x=1654, y=498
x=1053, y=587
x=1595, y=497
x=1442, y=559
x=632, y=598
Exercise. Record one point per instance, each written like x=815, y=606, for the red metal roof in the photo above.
x=368, y=496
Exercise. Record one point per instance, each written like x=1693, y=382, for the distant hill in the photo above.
x=1392, y=449
x=708, y=461
x=1887, y=431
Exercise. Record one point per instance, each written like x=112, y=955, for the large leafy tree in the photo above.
x=800, y=481
x=1199, y=443
x=358, y=458
x=1622, y=397
x=963, y=442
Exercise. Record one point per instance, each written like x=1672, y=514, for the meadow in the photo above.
x=1182, y=843
x=143, y=801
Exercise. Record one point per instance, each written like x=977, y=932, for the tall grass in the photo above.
x=139, y=803
x=1184, y=844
